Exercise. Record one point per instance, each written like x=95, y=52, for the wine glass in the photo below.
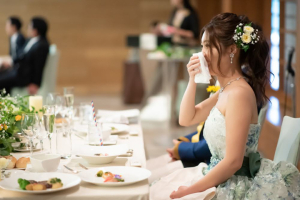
x=43, y=134
x=30, y=125
x=51, y=98
x=48, y=119
x=4, y=162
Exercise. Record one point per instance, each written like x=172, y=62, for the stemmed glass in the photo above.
x=51, y=98
x=4, y=162
x=69, y=96
x=31, y=126
x=48, y=119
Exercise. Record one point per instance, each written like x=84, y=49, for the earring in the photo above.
x=231, y=57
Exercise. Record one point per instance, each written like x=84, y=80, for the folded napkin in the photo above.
x=204, y=76
x=118, y=119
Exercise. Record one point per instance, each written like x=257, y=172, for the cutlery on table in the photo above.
x=84, y=167
x=72, y=170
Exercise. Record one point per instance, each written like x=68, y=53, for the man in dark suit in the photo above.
x=27, y=70
x=16, y=38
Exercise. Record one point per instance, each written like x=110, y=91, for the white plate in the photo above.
x=26, y=150
x=129, y=174
x=119, y=128
x=88, y=153
x=16, y=169
x=11, y=183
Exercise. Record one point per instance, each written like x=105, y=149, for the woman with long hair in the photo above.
x=236, y=170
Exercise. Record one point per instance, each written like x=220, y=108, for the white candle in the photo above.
x=36, y=102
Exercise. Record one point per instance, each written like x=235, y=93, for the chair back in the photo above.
x=287, y=148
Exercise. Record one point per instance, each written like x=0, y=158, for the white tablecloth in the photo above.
x=138, y=191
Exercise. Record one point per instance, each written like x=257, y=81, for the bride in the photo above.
x=236, y=170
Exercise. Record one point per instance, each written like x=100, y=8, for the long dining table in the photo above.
x=137, y=191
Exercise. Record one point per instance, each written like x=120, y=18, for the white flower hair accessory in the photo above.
x=245, y=35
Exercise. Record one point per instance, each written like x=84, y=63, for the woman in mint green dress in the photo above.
x=236, y=170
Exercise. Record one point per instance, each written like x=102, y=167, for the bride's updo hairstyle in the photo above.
x=221, y=30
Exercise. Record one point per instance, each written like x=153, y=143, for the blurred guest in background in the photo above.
x=183, y=25
x=16, y=39
x=27, y=70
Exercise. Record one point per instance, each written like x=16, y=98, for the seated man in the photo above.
x=191, y=149
x=16, y=39
x=27, y=70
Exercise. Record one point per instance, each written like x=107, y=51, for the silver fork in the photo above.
x=72, y=170
x=84, y=167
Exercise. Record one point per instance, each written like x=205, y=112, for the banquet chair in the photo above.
x=49, y=76
x=287, y=148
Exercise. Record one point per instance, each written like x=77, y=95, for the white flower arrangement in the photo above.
x=245, y=35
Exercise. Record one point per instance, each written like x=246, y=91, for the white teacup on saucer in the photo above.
x=106, y=131
x=45, y=162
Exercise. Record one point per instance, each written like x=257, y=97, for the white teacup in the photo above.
x=45, y=162
x=106, y=131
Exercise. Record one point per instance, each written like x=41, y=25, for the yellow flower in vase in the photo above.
x=18, y=118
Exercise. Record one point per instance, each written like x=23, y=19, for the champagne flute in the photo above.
x=69, y=96
x=48, y=119
x=30, y=125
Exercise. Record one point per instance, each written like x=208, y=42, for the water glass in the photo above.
x=95, y=134
x=85, y=112
x=31, y=126
x=63, y=141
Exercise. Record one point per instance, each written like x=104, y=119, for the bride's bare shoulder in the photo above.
x=242, y=92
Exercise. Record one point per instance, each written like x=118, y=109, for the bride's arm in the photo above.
x=238, y=118
x=191, y=114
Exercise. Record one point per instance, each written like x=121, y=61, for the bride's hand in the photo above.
x=181, y=192
x=193, y=67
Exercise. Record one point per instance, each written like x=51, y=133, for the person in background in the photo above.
x=27, y=70
x=16, y=39
x=183, y=25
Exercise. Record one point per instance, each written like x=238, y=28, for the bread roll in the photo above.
x=22, y=162
x=12, y=163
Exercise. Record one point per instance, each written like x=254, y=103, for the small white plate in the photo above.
x=130, y=175
x=117, y=128
x=26, y=150
x=88, y=153
x=11, y=183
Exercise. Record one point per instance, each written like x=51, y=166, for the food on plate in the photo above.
x=12, y=163
x=107, y=175
x=110, y=177
x=100, y=173
x=38, y=186
x=53, y=183
x=22, y=162
x=113, y=128
x=102, y=154
x=23, y=183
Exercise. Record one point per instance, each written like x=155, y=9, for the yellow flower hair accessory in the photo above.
x=245, y=35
